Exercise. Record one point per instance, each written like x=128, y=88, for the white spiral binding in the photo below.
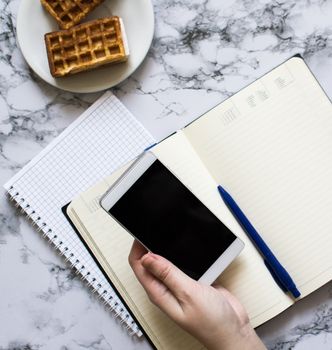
x=47, y=233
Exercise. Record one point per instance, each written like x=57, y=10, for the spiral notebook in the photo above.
x=101, y=140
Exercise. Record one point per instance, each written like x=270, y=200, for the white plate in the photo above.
x=33, y=22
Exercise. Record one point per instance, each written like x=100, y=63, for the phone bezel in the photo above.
x=123, y=184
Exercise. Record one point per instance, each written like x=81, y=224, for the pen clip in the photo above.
x=275, y=277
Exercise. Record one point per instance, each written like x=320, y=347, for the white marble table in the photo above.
x=203, y=52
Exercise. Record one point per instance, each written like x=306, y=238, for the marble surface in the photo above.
x=203, y=52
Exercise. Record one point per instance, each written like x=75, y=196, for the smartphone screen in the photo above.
x=171, y=221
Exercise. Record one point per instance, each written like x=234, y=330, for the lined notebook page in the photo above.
x=270, y=146
x=104, y=138
x=111, y=245
x=247, y=277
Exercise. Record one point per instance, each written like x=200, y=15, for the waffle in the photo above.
x=86, y=46
x=69, y=12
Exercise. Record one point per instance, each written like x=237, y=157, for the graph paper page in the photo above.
x=100, y=141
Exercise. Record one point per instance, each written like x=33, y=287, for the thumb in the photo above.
x=171, y=276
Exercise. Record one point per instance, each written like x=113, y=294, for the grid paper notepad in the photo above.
x=100, y=141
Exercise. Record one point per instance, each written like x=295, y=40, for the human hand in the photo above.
x=211, y=314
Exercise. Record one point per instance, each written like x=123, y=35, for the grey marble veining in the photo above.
x=203, y=52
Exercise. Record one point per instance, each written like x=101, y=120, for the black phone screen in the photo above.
x=171, y=221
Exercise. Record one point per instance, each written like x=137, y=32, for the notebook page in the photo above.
x=246, y=276
x=270, y=146
x=105, y=137
x=111, y=247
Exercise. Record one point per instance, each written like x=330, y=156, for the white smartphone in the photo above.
x=157, y=209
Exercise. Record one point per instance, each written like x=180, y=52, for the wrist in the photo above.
x=244, y=338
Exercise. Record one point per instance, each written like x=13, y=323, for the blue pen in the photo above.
x=277, y=271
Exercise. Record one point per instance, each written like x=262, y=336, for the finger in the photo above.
x=136, y=252
x=135, y=255
x=155, y=289
x=172, y=277
x=157, y=292
x=152, y=286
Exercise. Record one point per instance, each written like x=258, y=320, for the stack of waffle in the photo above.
x=84, y=46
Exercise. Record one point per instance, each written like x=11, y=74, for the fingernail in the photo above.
x=147, y=257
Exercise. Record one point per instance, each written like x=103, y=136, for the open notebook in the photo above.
x=270, y=146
